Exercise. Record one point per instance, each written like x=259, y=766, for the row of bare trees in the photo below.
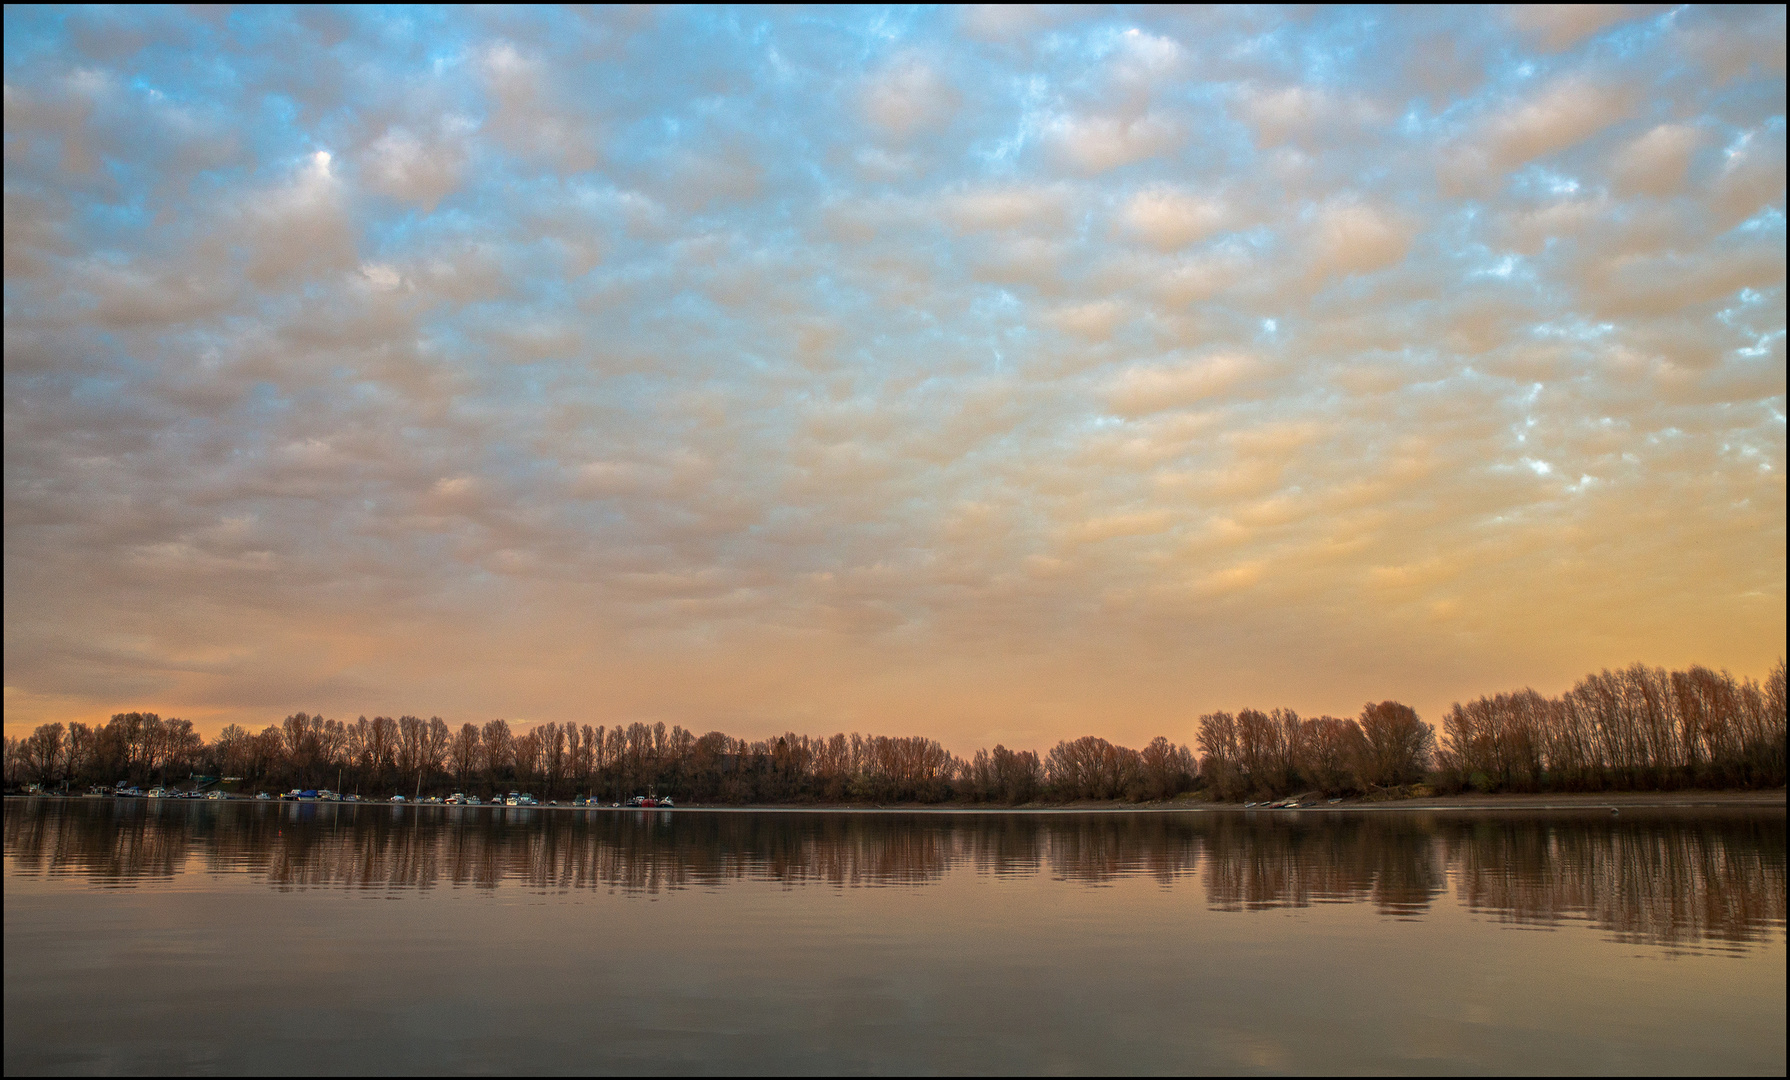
x=409, y=755
x=1091, y=768
x=1637, y=728
x=1642, y=727
x=134, y=746
x=1254, y=754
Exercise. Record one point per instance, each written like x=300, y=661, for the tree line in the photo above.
x=1638, y=728
x=1257, y=754
x=1641, y=727
x=409, y=755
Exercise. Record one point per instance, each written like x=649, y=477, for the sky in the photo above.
x=996, y=375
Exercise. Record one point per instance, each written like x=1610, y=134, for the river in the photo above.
x=152, y=936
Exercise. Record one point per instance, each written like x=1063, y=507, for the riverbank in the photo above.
x=1618, y=800
x=1580, y=800
x=1615, y=800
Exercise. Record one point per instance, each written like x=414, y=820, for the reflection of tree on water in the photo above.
x=1005, y=845
x=1283, y=860
x=1662, y=880
x=115, y=843
x=1097, y=848
x=1665, y=878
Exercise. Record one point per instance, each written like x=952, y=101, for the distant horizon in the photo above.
x=998, y=375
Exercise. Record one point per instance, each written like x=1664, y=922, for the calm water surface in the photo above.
x=232, y=937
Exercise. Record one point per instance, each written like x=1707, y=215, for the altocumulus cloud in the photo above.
x=993, y=374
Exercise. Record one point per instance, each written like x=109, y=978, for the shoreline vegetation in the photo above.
x=1642, y=732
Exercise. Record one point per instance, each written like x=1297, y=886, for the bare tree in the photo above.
x=1398, y=744
x=435, y=745
x=1168, y=769
x=382, y=747
x=1221, y=760
x=500, y=751
x=1333, y=747
x=552, y=740
x=43, y=753
x=464, y=753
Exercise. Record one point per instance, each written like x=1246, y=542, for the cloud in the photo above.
x=1305, y=115
x=1751, y=178
x=1555, y=27
x=530, y=114
x=1006, y=22
x=1730, y=42
x=299, y=228
x=1278, y=113
x=1118, y=525
x=1655, y=163
x=1560, y=116
x=908, y=96
x=1007, y=207
x=1096, y=144
x=1354, y=239
x=1139, y=391
x=1515, y=132
x=1167, y=218
x=401, y=165
x=1042, y=371
x=1095, y=320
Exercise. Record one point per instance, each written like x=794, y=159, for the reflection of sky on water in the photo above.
x=1668, y=878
